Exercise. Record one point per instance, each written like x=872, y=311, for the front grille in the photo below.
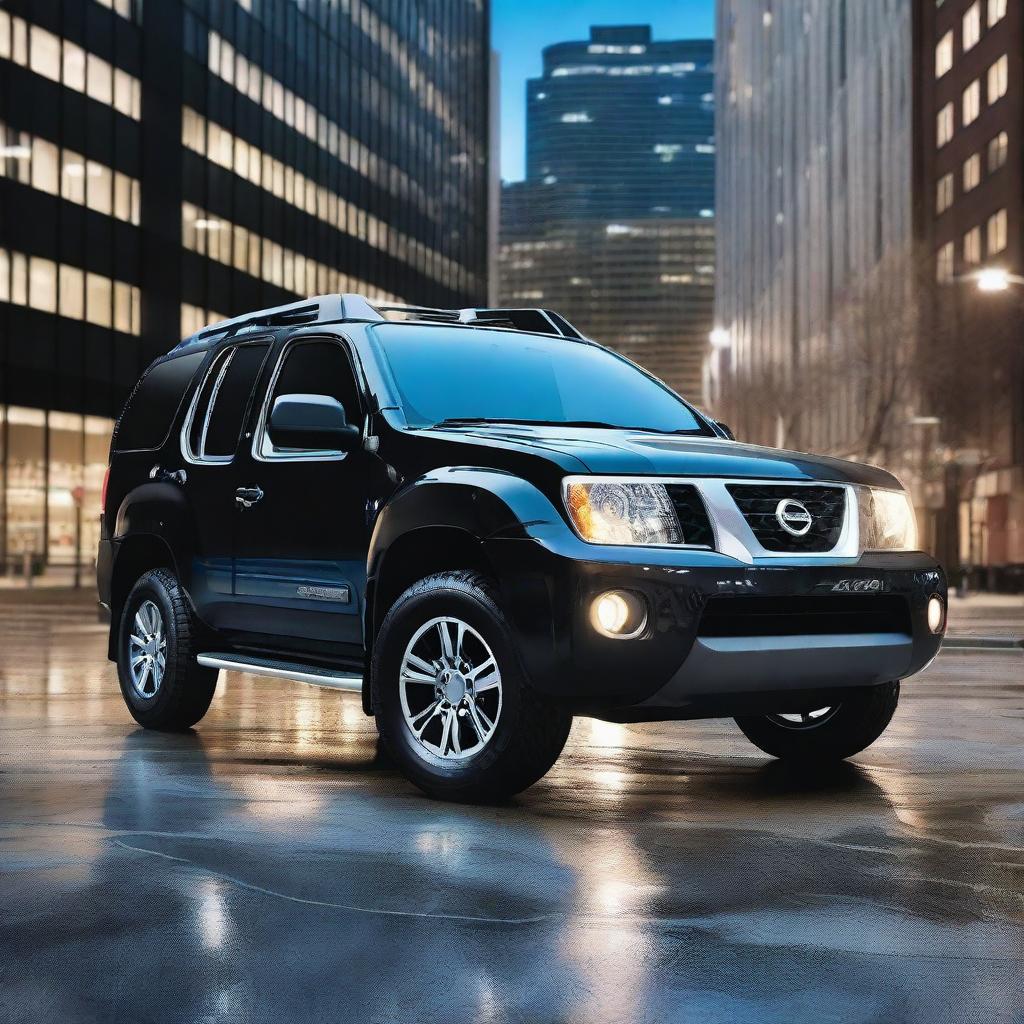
x=693, y=517
x=795, y=616
x=758, y=503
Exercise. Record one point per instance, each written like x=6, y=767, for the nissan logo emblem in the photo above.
x=793, y=516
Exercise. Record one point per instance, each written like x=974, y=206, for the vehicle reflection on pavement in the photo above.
x=273, y=866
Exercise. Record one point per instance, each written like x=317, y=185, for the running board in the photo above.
x=333, y=678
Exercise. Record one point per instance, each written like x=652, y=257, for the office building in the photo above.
x=613, y=226
x=166, y=166
x=969, y=178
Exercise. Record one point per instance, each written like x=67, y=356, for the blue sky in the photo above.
x=520, y=29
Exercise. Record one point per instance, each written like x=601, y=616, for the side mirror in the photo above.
x=311, y=423
x=726, y=430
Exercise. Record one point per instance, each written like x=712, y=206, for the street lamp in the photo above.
x=995, y=279
x=720, y=338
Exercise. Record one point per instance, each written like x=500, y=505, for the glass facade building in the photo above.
x=815, y=298
x=169, y=165
x=613, y=226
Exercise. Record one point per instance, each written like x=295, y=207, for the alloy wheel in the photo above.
x=450, y=688
x=147, y=651
x=805, y=719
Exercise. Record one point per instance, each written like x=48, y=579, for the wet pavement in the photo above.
x=271, y=866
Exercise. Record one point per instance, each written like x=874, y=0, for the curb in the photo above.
x=989, y=643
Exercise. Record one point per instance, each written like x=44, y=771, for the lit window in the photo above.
x=972, y=102
x=944, y=263
x=98, y=291
x=998, y=79
x=580, y=117
x=944, y=124
x=42, y=284
x=122, y=307
x=44, y=49
x=972, y=25
x=996, y=11
x=998, y=149
x=99, y=188
x=74, y=67
x=99, y=79
x=45, y=167
x=72, y=292
x=997, y=232
x=972, y=246
x=944, y=54
x=944, y=193
x=972, y=172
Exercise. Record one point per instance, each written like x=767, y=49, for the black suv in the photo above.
x=486, y=523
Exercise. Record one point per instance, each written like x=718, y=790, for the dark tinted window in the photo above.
x=454, y=373
x=195, y=432
x=319, y=368
x=232, y=400
x=152, y=407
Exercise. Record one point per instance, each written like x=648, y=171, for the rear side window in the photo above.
x=219, y=412
x=153, y=404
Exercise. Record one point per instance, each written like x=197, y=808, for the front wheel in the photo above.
x=452, y=703
x=826, y=734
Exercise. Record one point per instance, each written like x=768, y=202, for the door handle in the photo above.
x=177, y=476
x=246, y=497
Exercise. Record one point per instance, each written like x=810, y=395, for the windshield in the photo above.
x=445, y=374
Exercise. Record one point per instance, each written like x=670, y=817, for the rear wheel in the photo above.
x=452, y=703
x=829, y=733
x=161, y=683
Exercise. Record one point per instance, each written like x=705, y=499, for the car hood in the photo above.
x=644, y=453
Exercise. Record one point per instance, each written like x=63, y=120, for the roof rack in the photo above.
x=351, y=307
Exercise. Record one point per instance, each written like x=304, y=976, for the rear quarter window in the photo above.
x=153, y=405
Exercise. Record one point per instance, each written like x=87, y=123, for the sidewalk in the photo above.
x=986, y=620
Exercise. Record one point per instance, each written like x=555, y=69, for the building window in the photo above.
x=972, y=102
x=972, y=25
x=44, y=166
x=998, y=149
x=60, y=61
x=944, y=263
x=997, y=232
x=998, y=79
x=944, y=54
x=996, y=11
x=944, y=193
x=972, y=172
x=42, y=284
x=972, y=246
x=69, y=291
x=944, y=124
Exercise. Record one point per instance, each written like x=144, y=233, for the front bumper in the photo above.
x=853, y=622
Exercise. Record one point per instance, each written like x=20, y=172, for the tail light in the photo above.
x=103, y=490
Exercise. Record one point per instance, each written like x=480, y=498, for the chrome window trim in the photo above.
x=733, y=534
x=263, y=449
x=186, y=448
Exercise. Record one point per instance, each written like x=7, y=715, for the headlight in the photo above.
x=887, y=521
x=627, y=513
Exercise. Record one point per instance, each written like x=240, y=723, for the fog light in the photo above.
x=936, y=614
x=619, y=614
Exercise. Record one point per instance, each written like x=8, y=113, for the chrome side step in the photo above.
x=333, y=678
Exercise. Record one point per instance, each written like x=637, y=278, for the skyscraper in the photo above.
x=969, y=190
x=167, y=166
x=613, y=225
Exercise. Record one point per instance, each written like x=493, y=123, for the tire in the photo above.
x=845, y=730
x=527, y=733
x=180, y=697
